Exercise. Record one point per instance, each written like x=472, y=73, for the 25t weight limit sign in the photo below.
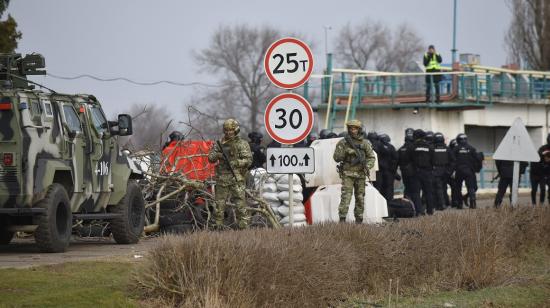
x=288, y=63
x=290, y=160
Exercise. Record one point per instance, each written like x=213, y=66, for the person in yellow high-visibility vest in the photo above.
x=432, y=62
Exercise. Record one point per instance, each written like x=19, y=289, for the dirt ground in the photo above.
x=23, y=253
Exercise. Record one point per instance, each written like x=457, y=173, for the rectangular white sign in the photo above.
x=290, y=160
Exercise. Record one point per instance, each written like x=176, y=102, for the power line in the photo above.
x=138, y=83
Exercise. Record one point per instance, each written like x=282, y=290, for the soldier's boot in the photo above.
x=342, y=219
x=358, y=220
x=473, y=204
x=497, y=204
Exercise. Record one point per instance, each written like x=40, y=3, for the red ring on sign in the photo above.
x=272, y=103
x=268, y=55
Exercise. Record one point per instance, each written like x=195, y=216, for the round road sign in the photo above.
x=288, y=63
x=288, y=118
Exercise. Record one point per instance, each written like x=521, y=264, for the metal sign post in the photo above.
x=288, y=118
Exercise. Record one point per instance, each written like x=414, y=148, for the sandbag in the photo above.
x=284, y=179
x=270, y=179
x=294, y=203
x=285, y=187
x=297, y=218
x=285, y=196
x=269, y=187
x=271, y=196
x=284, y=210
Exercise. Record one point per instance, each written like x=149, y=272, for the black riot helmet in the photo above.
x=176, y=136
x=384, y=138
x=452, y=144
x=255, y=137
x=439, y=138
x=461, y=139
x=419, y=134
x=429, y=136
x=372, y=136
x=323, y=134
x=332, y=135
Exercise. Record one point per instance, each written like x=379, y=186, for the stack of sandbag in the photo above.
x=298, y=210
x=270, y=194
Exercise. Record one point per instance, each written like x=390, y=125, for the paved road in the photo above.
x=23, y=253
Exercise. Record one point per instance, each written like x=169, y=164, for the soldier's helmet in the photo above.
x=409, y=132
x=354, y=123
x=419, y=134
x=439, y=138
x=176, y=136
x=461, y=139
x=385, y=138
x=231, y=125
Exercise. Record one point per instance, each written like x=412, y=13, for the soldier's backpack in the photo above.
x=401, y=208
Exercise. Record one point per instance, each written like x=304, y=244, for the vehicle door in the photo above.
x=74, y=144
x=103, y=147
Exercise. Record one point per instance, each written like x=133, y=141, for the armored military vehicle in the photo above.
x=60, y=164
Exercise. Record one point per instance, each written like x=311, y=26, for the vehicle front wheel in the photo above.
x=127, y=228
x=53, y=233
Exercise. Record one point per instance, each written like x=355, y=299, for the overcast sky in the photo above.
x=154, y=40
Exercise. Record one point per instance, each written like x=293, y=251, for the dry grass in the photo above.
x=322, y=265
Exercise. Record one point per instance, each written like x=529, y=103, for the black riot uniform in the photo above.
x=443, y=168
x=387, y=165
x=422, y=158
x=404, y=162
x=465, y=165
x=258, y=151
x=505, y=170
x=374, y=140
x=540, y=173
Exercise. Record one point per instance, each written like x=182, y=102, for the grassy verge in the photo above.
x=531, y=288
x=79, y=284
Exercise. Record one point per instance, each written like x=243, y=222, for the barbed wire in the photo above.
x=139, y=83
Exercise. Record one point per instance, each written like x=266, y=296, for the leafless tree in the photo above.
x=528, y=37
x=372, y=45
x=359, y=45
x=236, y=55
x=151, y=126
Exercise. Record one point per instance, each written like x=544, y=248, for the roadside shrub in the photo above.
x=323, y=264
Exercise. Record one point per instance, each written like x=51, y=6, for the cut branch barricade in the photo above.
x=179, y=189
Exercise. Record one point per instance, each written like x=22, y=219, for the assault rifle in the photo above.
x=360, y=155
x=226, y=158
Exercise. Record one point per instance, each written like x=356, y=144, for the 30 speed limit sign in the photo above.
x=288, y=118
x=288, y=63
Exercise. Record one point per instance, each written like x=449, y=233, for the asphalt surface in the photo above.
x=23, y=253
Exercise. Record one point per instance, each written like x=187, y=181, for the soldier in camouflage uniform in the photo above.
x=354, y=164
x=230, y=175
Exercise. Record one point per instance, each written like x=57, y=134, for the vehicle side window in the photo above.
x=72, y=118
x=100, y=123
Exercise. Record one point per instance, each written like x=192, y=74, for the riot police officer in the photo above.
x=443, y=168
x=422, y=158
x=258, y=151
x=405, y=163
x=505, y=170
x=465, y=165
x=387, y=163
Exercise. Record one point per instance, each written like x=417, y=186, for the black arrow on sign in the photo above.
x=306, y=159
x=272, y=159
